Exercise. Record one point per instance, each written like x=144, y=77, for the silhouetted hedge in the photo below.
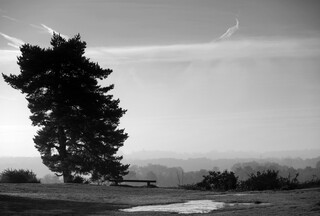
x=18, y=176
x=265, y=180
x=80, y=180
x=219, y=181
x=268, y=180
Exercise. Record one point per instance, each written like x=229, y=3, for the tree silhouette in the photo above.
x=78, y=119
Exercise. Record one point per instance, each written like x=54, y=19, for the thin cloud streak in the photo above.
x=10, y=18
x=52, y=31
x=14, y=42
x=37, y=27
x=231, y=49
x=230, y=31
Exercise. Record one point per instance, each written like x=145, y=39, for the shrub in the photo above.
x=269, y=180
x=314, y=182
x=18, y=176
x=219, y=181
x=288, y=183
x=78, y=180
x=266, y=180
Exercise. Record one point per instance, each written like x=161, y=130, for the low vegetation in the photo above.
x=18, y=176
x=219, y=181
x=83, y=199
x=250, y=176
x=268, y=180
x=173, y=176
x=259, y=181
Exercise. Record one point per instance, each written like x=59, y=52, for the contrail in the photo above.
x=51, y=31
x=230, y=31
x=10, y=18
x=14, y=42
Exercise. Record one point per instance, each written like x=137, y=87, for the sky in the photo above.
x=194, y=75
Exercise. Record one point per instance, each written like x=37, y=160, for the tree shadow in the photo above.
x=34, y=206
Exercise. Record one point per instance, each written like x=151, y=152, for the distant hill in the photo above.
x=189, y=164
x=223, y=160
x=303, y=154
x=195, y=164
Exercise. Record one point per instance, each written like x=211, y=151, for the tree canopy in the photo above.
x=78, y=118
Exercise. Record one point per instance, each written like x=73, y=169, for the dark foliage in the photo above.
x=219, y=181
x=287, y=177
x=265, y=180
x=18, y=176
x=269, y=180
x=314, y=182
x=79, y=180
x=78, y=118
x=176, y=176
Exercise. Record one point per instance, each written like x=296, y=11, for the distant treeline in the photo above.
x=174, y=176
x=195, y=164
x=169, y=175
x=244, y=170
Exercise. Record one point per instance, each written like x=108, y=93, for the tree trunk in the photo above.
x=66, y=172
x=67, y=177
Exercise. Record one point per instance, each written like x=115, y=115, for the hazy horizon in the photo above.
x=212, y=155
x=195, y=76
x=188, y=164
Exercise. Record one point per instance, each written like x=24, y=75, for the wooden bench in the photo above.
x=135, y=181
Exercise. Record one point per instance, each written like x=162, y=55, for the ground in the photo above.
x=77, y=199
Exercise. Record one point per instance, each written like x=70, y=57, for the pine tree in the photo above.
x=78, y=118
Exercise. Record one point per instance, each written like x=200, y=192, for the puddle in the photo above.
x=236, y=194
x=190, y=207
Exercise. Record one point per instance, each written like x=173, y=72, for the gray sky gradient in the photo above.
x=191, y=78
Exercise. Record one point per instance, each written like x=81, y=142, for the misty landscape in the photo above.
x=177, y=169
x=162, y=107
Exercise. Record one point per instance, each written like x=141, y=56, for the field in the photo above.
x=77, y=199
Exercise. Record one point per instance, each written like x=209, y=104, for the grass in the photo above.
x=75, y=199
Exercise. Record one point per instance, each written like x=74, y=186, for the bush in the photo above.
x=78, y=179
x=314, y=182
x=289, y=184
x=269, y=180
x=219, y=181
x=266, y=180
x=18, y=176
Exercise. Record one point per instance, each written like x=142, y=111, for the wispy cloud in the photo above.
x=10, y=18
x=215, y=50
x=37, y=27
x=51, y=31
x=231, y=49
x=230, y=31
x=14, y=42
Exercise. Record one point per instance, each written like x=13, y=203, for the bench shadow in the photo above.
x=34, y=206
